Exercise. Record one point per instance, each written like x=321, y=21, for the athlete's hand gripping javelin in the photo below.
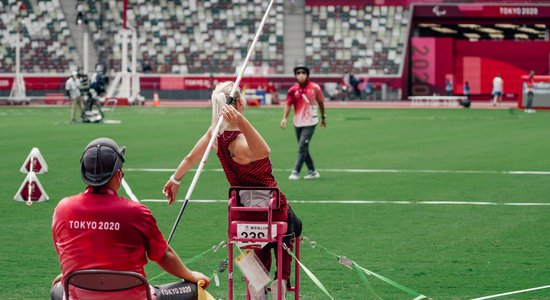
x=232, y=116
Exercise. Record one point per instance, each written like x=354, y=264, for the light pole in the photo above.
x=18, y=92
x=81, y=18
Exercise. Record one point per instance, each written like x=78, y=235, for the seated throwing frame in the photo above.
x=252, y=227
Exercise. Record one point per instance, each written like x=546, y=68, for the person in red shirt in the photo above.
x=272, y=90
x=98, y=229
x=244, y=156
x=304, y=96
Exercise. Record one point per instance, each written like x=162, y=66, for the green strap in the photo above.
x=391, y=282
x=365, y=281
x=361, y=271
x=310, y=274
x=156, y=277
x=194, y=258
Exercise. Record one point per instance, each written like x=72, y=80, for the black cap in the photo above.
x=301, y=67
x=100, y=161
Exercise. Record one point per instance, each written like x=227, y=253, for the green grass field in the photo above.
x=443, y=251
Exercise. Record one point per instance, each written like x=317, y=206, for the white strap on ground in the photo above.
x=514, y=292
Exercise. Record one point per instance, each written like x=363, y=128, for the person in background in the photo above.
x=98, y=82
x=72, y=89
x=448, y=87
x=244, y=156
x=80, y=17
x=466, y=102
x=346, y=86
x=498, y=85
x=98, y=229
x=369, y=90
x=530, y=87
x=272, y=90
x=305, y=96
x=354, y=82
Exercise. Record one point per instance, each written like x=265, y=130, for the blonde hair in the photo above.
x=219, y=97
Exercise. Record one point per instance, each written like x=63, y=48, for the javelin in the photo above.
x=217, y=128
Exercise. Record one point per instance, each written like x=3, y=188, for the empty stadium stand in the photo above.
x=192, y=36
x=367, y=39
x=211, y=36
x=46, y=46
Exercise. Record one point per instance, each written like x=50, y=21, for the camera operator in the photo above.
x=85, y=92
x=98, y=82
x=92, y=112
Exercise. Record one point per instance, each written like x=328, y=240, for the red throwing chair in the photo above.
x=251, y=226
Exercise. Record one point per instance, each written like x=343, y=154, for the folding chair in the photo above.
x=246, y=204
x=96, y=280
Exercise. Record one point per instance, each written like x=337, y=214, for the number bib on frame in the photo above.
x=254, y=231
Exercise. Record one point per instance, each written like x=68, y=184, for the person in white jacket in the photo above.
x=72, y=89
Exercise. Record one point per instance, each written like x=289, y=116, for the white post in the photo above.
x=18, y=91
x=135, y=89
x=85, y=50
x=125, y=87
x=18, y=52
x=29, y=186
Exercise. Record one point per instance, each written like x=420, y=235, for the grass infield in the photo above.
x=441, y=251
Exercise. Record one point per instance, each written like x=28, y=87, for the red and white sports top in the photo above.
x=305, y=114
x=530, y=84
x=257, y=173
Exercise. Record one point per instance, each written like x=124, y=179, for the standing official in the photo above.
x=498, y=85
x=305, y=96
x=530, y=86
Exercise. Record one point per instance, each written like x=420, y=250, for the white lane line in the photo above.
x=514, y=292
x=528, y=172
x=372, y=202
x=370, y=171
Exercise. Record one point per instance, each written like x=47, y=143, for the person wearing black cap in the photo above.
x=305, y=96
x=98, y=229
